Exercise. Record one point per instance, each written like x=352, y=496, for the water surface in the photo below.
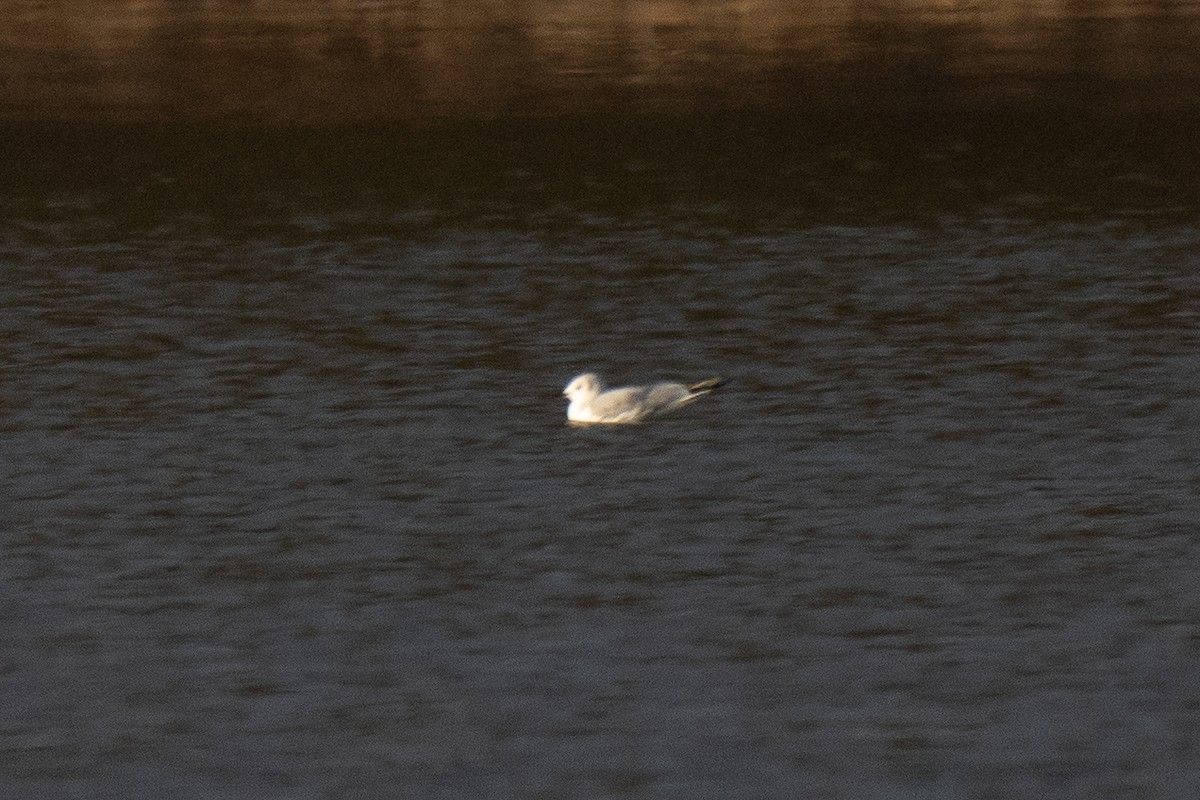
x=288, y=507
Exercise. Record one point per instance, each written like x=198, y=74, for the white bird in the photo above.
x=591, y=402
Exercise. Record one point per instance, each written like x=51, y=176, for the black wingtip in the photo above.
x=707, y=385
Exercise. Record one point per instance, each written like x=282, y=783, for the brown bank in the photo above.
x=346, y=61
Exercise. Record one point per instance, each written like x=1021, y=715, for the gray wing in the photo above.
x=616, y=404
x=666, y=396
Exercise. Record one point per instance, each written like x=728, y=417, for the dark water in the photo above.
x=288, y=507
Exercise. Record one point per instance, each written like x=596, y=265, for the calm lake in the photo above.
x=289, y=508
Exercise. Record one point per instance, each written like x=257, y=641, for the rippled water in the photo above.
x=289, y=507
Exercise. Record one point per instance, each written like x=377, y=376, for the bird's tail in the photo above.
x=706, y=386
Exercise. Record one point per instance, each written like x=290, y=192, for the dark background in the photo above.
x=340, y=62
x=193, y=104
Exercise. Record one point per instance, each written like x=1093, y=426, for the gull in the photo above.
x=592, y=403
